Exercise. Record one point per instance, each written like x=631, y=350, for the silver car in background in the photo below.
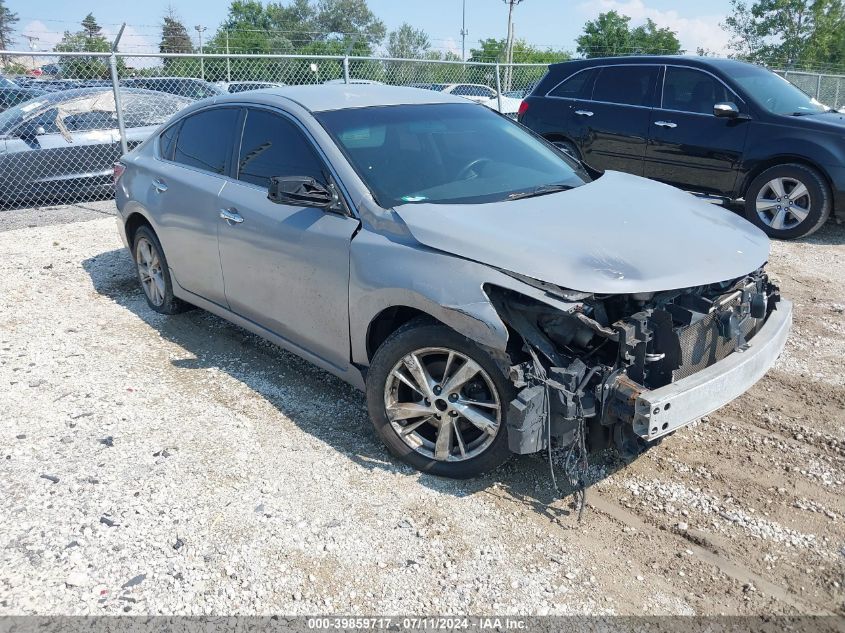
x=489, y=293
x=63, y=145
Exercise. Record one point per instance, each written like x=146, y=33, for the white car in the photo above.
x=474, y=92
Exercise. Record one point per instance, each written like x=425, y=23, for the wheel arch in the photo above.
x=133, y=222
x=784, y=159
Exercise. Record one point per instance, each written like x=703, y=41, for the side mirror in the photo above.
x=726, y=110
x=301, y=191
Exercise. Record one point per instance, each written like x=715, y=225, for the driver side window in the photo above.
x=273, y=146
x=689, y=90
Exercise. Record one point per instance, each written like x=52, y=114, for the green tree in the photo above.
x=606, y=35
x=650, y=40
x=89, y=40
x=407, y=42
x=349, y=17
x=174, y=35
x=788, y=32
x=90, y=27
x=8, y=19
x=492, y=50
x=745, y=41
x=610, y=34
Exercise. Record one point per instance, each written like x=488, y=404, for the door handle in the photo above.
x=231, y=216
x=583, y=113
x=159, y=185
x=666, y=124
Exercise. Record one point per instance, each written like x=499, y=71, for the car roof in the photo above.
x=685, y=60
x=323, y=97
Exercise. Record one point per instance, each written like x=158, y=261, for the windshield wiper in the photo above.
x=542, y=190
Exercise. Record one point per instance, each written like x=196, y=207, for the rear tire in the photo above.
x=788, y=201
x=154, y=273
x=441, y=441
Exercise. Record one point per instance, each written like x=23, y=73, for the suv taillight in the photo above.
x=119, y=168
x=523, y=108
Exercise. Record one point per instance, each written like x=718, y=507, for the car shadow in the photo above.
x=831, y=234
x=304, y=393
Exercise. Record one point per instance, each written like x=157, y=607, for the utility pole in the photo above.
x=464, y=32
x=200, y=28
x=32, y=39
x=509, y=43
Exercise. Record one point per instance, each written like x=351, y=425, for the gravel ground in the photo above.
x=180, y=465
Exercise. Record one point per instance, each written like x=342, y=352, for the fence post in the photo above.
x=819, y=87
x=346, y=69
x=498, y=87
x=115, y=84
x=228, y=62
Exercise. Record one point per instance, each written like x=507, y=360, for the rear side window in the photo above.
x=273, y=146
x=625, y=85
x=167, y=142
x=205, y=139
x=689, y=90
x=575, y=86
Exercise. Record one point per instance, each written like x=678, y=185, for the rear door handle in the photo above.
x=159, y=185
x=231, y=216
x=666, y=124
x=583, y=113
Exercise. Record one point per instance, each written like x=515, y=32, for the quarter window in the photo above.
x=167, y=142
x=625, y=85
x=274, y=146
x=575, y=86
x=205, y=139
x=689, y=90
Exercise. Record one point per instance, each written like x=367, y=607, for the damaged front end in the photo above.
x=627, y=369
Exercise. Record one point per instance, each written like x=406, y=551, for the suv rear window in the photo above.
x=574, y=86
x=205, y=139
x=626, y=85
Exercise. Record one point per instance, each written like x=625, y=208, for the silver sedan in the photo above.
x=490, y=294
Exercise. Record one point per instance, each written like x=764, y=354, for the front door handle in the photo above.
x=159, y=185
x=583, y=113
x=231, y=216
x=666, y=124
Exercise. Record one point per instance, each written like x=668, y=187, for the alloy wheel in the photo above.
x=783, y=203
x=149, y=270
x=442, y=404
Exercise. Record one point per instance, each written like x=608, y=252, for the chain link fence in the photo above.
x=62, y=131
x=59, y=143
x=827, y=89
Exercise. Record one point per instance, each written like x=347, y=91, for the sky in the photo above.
x=546, y=23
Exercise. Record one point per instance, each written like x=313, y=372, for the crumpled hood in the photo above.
x=618, y=234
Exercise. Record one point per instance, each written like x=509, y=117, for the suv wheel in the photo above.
x=438, y=401
x=153, y=273
x=788, y=201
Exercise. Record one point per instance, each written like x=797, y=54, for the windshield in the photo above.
x=774, y=92
x=445, y=153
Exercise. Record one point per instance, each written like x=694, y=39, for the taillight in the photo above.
x=523, y=108
x=119, y=168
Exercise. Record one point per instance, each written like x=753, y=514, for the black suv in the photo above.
x=713, y=126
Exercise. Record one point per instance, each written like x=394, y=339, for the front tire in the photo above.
x=439, y=401
x=154, y=274
x=788, y=201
